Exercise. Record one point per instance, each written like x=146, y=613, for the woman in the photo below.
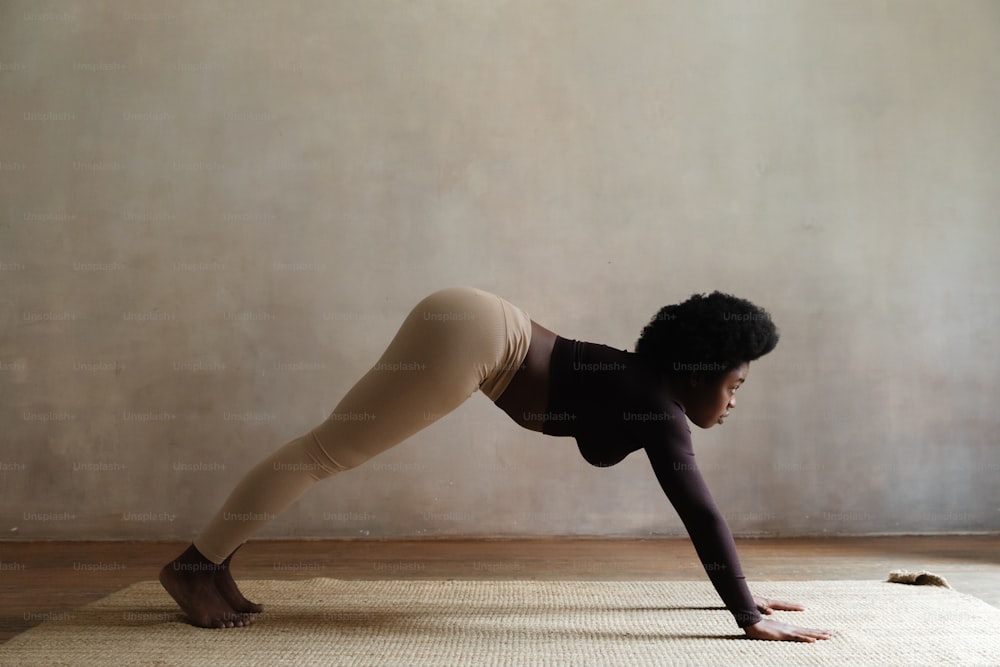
x=689, y=362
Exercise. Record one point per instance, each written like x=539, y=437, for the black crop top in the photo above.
x=614, y=405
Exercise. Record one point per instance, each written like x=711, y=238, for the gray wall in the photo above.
x=215, y=215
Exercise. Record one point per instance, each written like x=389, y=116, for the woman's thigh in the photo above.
x=446, y=347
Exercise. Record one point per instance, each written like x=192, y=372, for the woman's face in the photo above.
x=709, y=403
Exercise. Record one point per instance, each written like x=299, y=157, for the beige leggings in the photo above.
x=453, y=342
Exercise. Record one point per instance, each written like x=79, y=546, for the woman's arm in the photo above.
x=677, y=472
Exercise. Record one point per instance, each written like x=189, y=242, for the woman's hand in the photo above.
x=777, y=631
x=766, y=606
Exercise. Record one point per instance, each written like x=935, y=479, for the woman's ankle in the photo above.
x=193, y=560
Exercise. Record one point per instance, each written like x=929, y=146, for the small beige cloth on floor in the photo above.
x=921, y=578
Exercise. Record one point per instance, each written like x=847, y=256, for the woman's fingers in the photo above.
x=797, y=634
x=785, y=606
x=776, y=630
x=812, y=634
x=767, y=606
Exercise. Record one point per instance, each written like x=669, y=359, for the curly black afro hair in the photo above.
x=711, y=334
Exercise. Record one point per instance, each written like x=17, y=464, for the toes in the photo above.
x=239, y=620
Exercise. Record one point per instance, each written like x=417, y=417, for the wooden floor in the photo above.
x=42, y=579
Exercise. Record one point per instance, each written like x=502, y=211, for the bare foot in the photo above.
x=230, y=592
x=191, y=581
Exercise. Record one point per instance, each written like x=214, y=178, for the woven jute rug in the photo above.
x=607, y=624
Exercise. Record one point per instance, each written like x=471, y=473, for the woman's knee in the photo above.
x=315, y=457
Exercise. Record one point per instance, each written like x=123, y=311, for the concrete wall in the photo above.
x=215, y=215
